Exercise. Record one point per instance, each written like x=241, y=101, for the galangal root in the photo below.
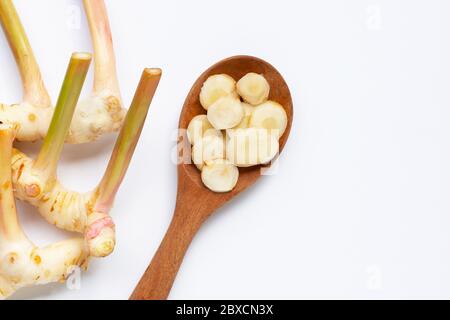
x=98, y=114
x=23, y=264
x=35, y=180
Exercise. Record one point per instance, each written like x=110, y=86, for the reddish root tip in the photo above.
x=96, y=228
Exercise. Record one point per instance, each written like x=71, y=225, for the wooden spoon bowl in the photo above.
x=195, y=203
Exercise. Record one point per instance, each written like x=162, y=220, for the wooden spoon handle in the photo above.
x=160, y=275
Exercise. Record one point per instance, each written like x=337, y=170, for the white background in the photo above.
x=360, y=205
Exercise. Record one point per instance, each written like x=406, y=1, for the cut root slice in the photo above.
x=250, y=147
x=216, y=87
x=220, y=176
x=226, y=113
x=245, y=122
x=197, y=128
x=208, y=149
x=271, y=116
x=253, y=88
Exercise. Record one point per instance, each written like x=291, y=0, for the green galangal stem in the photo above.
x=62, y=117
x=127, y=140
x=34, y=89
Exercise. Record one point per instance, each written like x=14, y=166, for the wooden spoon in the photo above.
x=195, y=203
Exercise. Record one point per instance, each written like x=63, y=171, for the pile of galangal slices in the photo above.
x=240, y=129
